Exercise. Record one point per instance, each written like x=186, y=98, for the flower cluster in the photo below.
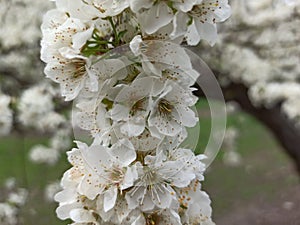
x=132, y=83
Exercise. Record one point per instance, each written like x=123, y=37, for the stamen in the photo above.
x=164, y=107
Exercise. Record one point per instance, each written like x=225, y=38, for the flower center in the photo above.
x=79, y=65
x=116, y=175
x=203, y=11
x=137, y=106
x=152, y=219
x=164, y=107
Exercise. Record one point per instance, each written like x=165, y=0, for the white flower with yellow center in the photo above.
x=158, y=177
x=132, y=105
x=200, y=22
x=162, y=57
x=171, y=111
x=109, y=171
x=61, y=51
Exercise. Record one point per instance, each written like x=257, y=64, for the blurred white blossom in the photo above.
x=6, y=115
x=43, y=154
x=51, y=190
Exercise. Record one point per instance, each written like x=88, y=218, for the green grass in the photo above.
x=34, y=177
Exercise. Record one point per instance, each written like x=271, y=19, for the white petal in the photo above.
x=186, y=116
x=124, y=152
x=119, y=112
x=80, y=38
x=136, y=5
x=192, y=35
x=82, y=216
x=156, y=17
x=130, y=176
x=110, y=197
x=133, y=128
x=207, y=32
x=180, y=22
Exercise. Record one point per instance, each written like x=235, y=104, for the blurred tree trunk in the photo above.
x=283, y=129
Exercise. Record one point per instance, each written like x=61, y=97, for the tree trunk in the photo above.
x=284, y=130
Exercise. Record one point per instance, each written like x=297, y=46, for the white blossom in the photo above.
x=61, y=140
x=161, y=175
x=204, y=19
x=18, y=197
x=6, y=115
x=132, y=105
x=43, y=154
x=171, y=111
x=164, y=59
x=30, y=112
x=8, y=214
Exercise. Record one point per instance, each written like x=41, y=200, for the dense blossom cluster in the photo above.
x=132, y=83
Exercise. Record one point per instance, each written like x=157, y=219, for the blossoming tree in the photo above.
x=122, y=64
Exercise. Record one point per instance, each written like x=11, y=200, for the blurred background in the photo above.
x=255, y=177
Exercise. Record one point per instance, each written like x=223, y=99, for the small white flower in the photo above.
x=205, y=16
x=159, y=57
x=171, y=111
x=61, y=50
x=200, y=22
x=107, y=170
x=160, y=176
x=132, y=104
x=69, y=198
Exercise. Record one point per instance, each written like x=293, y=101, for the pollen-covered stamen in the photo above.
x=164, y=107
x=115, y=175
x=183, y=195
x=153, y=182
x=152, y=219
x=137, y=106
x=204, y=11
x=79, y=65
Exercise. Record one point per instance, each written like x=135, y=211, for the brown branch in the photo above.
x=283, y=129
